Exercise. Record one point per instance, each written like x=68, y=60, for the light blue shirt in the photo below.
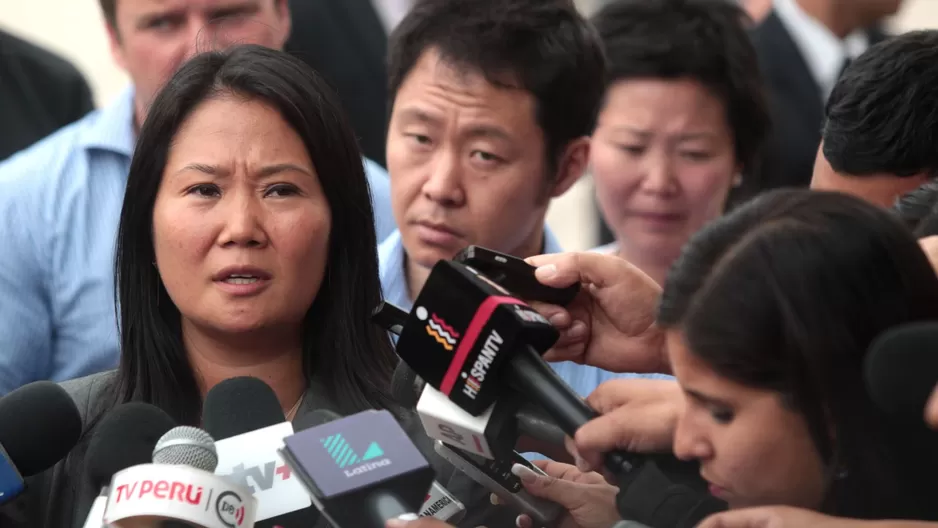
x=582, y=378
x=60, y=203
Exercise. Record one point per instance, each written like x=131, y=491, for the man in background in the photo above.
x=881, y=124
x=39, y=93
x=803, y=47
x=492, y=104
x=60, y=200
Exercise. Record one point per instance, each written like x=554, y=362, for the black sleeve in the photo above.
x=648, y=496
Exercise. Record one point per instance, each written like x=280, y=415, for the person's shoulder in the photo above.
x=50, y=159
x=88, y=391
x=38, y=61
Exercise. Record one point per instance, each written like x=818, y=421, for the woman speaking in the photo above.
x=246, y=247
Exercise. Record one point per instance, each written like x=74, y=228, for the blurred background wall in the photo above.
x=75, y=29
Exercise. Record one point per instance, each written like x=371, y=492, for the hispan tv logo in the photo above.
x=443, y=333
x=480, y=368
x=230, y=509
x=345, y=456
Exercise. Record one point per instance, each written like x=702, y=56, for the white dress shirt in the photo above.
x=391, y=12
x=823, y=51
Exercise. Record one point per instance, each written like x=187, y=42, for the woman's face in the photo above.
x=753, y=450
x=240, y=224
x=663, y=161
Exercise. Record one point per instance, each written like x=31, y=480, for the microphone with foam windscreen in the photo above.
x=901, y=369
x=245, y=417
x=179, y=489
x=361, y=470
x=439, y=503
x=125, y=437
x=39, y=425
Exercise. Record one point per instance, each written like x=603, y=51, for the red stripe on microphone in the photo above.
x=481, y=317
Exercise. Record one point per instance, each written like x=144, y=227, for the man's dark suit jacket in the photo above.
x=345, y=41
x=39, y=94
x=795, y=104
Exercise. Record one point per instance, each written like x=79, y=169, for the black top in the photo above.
x=39, y=93
x=62, y=496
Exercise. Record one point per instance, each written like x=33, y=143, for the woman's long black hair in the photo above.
x=786, y=294
x=342, y=349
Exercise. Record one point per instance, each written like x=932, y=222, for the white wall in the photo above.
x=75, y=29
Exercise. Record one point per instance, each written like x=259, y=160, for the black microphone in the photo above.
x=468, y=338
x=901, y=369
x=246, y=420
x=439, y=502
x=360, y=470
x=124, y=437
x=39, y=425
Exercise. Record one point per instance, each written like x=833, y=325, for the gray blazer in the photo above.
x=61, y=497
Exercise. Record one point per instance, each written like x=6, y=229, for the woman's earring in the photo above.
x=737, y=179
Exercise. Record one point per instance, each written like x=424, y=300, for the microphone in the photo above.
x=495, y=433
x=439, y=502
x=465, y=328
x=179, y=488
x=39, y=425
x=124, y=437
x=901, y=369
x=361, y=470
x=469, y=339
x=246, y=419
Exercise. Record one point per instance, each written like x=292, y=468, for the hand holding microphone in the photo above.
x=610, y=324
x=636, y=415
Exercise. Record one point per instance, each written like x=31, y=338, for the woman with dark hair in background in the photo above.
x=683, y=123
x=766, y=320
x=246, y=247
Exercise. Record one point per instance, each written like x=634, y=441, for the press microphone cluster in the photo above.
x=475, y=343
x=245, y=417
x=468, y=439
x=471, y=340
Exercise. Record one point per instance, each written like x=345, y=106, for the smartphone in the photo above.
x=497, y=477
x=515, y=275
